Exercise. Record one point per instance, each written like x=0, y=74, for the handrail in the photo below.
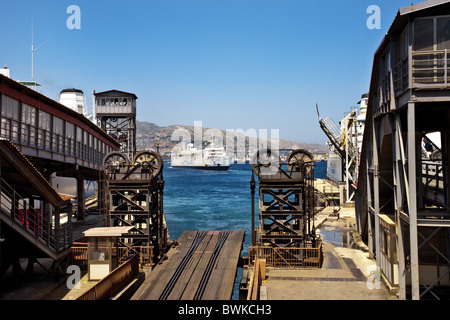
x=258, y=275
x=145, y=253
x=309, y=256
x=47, y=140
x=430, y=67
x=33, y=220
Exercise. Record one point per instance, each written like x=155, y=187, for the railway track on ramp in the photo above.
x=202, y=267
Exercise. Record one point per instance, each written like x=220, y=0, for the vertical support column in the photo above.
x=376, y=192
x=2, y=240
x=445, y=147
x=347, y=165
x=398, y=198
x=131, y=143
x=160, y=216
x=80, y=196
x=401, y=259
x=412, y=212
x=369, y=191
x=47, y=216
x=252, y=188
x=69, y=212
x=100, y=195
x=57, y=214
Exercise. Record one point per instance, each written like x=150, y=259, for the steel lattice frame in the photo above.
x=286, y=198
x=123, y=129
x=134, y=197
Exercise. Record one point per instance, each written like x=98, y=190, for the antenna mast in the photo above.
x=33, y=50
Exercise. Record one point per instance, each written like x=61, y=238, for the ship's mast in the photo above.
x=33, y=50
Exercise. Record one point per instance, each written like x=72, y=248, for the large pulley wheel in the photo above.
x=115, y=159
x=149, y=160
x=265, y=162
x=299, y=160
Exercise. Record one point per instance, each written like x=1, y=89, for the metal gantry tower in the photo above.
x=115, y=112
x=134, y=197
x=286, y=209
x=132, y=186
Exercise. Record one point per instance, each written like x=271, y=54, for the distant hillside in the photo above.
x=148, y=134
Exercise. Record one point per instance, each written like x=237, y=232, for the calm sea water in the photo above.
x=212, y=200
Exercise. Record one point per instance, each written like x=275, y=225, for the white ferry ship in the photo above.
x=210, y=158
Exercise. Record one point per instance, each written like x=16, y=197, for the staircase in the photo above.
x=30, y=211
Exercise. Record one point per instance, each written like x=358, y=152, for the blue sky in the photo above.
x=232, y=64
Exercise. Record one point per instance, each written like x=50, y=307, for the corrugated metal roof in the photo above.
x=107, y=231
x=111, y=93
x=421, y=6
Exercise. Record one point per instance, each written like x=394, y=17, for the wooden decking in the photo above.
x=220, y=282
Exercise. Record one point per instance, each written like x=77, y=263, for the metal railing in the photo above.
x=434, y=184
x=386, y=88
x=79, y=256
x=33, y=220
x=145, y=253
x=113, y=282
x=433, y=175
x=310, y=256
x=430, y=67
x=400, y=76
x=29, y=135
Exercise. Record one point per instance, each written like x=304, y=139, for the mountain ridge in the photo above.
x=148, y=134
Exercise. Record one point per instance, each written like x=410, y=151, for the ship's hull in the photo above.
x=334, y=167
x=210, y=158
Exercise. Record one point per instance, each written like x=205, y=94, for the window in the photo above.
x=443, y=33
x=10, y=108
x=44, y=120
x=123, y=101
x=58, y=134
x=70, y=141
x=431, y=34
x=404, y=44
x=58, y=125
x=423, y=34
x=79, y=134
x=10, y=118
x=44, y=129
x=28, y=132
x=79, y=139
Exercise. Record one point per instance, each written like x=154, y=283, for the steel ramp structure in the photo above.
x=30, y=212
